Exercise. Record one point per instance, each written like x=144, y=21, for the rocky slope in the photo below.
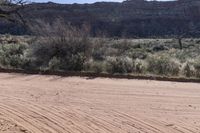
x=132, y=18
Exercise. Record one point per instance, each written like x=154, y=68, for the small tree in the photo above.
x=61, y=46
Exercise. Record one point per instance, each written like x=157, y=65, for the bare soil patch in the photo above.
x=53, y=104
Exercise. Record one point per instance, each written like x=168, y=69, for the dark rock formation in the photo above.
x=132, y=18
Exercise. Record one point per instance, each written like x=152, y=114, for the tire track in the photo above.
x=77, y=105
x=51, y=121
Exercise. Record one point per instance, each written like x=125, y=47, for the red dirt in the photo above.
x=52, y=104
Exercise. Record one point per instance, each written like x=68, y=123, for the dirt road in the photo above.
x=51, y=104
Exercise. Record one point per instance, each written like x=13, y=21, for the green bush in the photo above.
x=140, y=66
x=54, y=64
x=137, y=53
x=99, y=49
x=94, y=66
x=13, y=56
x=120, y=65
x=197, y=69
x=163, y=65
x=122, y=45
x=188, y=69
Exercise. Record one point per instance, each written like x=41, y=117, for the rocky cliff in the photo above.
x=132, y=18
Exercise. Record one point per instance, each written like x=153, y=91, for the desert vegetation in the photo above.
x=59, y=47
x=52, y=55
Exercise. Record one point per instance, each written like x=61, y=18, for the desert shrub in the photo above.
x=120, y=65
x=99, y=49
x=62, y=47
x=13, y=56
x=188, y=69
x=8, y=39
x=54, y=64
x=158, y=48
x=122, y=45
x=197, y=68
x=163, y=65
x=98, y=54
x=140, y=66
x=70, y=54
x=94, y=66
x=137, y=53
x=109, y=51
x=183, y=55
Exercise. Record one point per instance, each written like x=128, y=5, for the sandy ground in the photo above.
x=52, y=104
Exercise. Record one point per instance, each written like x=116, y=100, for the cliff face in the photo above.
x=132, y=18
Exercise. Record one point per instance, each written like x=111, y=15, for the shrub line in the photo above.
x=92, y=75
